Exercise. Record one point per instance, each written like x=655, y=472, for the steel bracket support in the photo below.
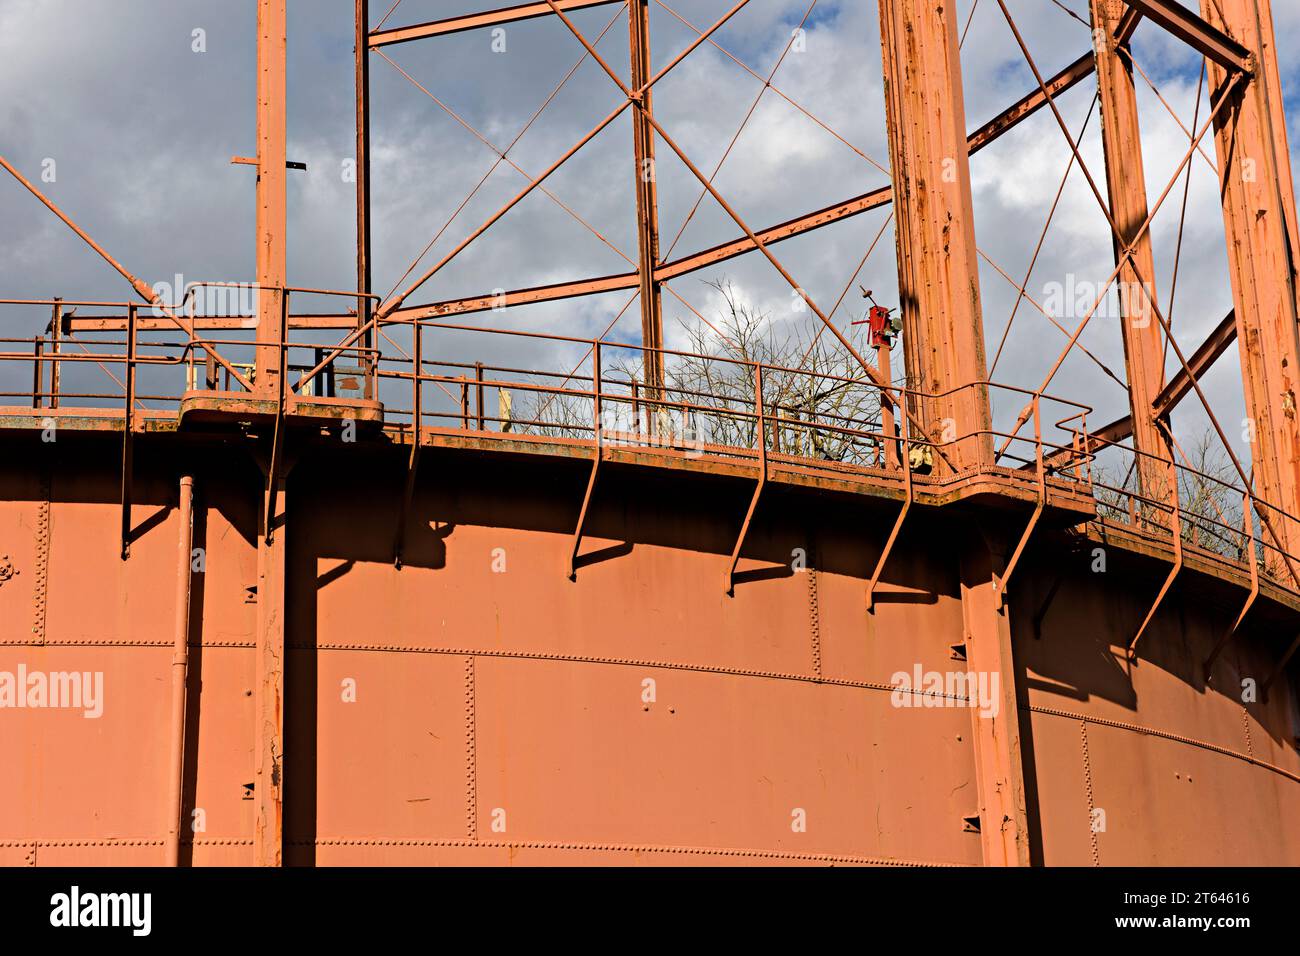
x=1208, y=667
x=1038, y=509
x=277, y=434
x=898, y=522
x=761, y=436
x=1177, y=530
x=417, y=416
x=596, y=459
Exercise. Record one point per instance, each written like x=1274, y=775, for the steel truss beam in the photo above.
x=1178, y=388
x=990, y=132
x=1004, y=122
x=476, y=21
x=1196, y=33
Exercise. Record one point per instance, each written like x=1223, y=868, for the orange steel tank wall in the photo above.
x=499, y=714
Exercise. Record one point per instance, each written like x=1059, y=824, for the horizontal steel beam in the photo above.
x=151, y=323
x=1032, y=103
x=1128, y=23
x=986, y=134
x=1196, y=33
x=1199, y=362
x=542, y=293
x=1215, y=344
x=476, y=21
x=875, y=199
x=786, y=230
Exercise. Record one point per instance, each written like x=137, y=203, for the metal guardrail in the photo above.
x=709, y=406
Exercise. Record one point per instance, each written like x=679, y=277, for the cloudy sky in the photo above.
x=141, y=125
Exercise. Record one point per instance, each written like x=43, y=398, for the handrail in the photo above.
x=817, y=417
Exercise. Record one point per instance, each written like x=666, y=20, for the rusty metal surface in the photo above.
x=472, y=711
x=381, y=627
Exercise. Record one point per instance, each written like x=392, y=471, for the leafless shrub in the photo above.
x=710, y=393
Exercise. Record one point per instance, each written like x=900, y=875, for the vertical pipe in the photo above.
x=268, y=811
x=180, y=670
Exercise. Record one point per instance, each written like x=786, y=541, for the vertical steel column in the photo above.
x=938, y=277
x=269, y=704
x=1258, y=207
x=363, y=179
x=271, y=186
x=271, y=229
x=647, y=212
x=1267, y=70
x=995, y=722
x=1126, y=186
x=180, y=668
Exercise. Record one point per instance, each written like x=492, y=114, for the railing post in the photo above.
x=596, y=389
x=478, y=377
x=416, y=411
x=38, y=372
x=636, y=407
x=1038, y=438
x=318, y=355
x=889, y=450
x=56, y=368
